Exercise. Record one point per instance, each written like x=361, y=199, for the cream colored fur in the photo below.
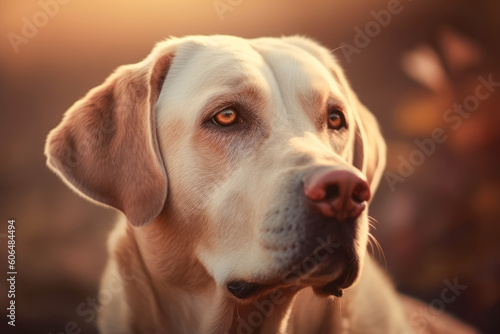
x=231, y=210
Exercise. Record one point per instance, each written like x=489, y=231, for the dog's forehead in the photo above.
x=296, y=66
x=206, y=67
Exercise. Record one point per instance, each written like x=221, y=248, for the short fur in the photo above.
x=234, y=208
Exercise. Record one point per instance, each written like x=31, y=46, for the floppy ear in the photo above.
x=369, y=154
x=369, y=151
x=106, y=147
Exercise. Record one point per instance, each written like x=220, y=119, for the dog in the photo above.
x=243, y=168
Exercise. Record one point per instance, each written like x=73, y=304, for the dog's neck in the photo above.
x=172, y=293
x=214, y=312
x=180, y=297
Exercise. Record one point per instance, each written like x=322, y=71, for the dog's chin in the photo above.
x=335, y=286
x=327, y=275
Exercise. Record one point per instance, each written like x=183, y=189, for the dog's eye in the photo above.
x=336, y=120
x=226, y=117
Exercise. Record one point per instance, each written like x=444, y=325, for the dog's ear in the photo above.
x=106, y=146
x=369, y=154
x=369, y=149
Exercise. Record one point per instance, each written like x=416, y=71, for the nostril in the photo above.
x=361, y=193
x=355, y=196
x=331, y=192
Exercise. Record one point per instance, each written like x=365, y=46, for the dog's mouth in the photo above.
x=328, y=270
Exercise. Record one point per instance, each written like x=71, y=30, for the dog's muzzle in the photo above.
x=323, y=255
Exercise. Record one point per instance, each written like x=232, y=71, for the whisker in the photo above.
x=337, y=48
x=372, y=251
x=372, y=221
x=380, y=251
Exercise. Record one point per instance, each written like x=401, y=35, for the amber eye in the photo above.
x=226, y=117
x=336, y=120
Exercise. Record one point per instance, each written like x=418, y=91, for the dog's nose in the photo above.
x=336, y=193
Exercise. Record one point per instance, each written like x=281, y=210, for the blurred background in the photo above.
x=413, y=65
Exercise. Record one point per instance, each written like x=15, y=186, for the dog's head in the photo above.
x=269, y=155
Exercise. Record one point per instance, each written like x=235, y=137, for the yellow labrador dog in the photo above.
x=244, y=169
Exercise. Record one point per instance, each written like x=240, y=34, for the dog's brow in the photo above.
x=247, y=95
x=338, y=81
x=312, y=99
x=315, y=103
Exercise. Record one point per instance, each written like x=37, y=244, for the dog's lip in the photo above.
x=330, y=283
x=345, y=280
x=242, y=289
x=312, y=256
